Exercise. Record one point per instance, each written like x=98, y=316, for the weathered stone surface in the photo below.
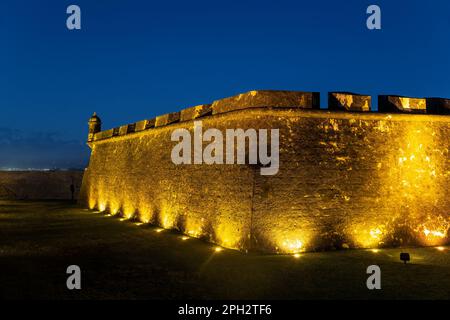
x=268, y=98
x=103, y=134
x=438, y=106
x=195, y=112
x=347, y=101
x=140, y=125
x=167, y=119
x=387, y=103
x=144, y=125
x=123, y=130
x=345, y=180
x=150, y=123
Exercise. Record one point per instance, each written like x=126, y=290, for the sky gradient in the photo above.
x=134, y=60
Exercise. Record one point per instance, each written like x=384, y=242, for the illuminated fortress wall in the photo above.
x=346, y=179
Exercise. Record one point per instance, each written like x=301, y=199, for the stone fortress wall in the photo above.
x=348, y=177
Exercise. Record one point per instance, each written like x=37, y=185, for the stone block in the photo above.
x=195, y=112
x=268, y=98
x=438, y=106
x=167, y=119
x=123, y=130
x=103, y=135
x=140, y=125
x=150, y=123
x=388, y=103
x=347, y=101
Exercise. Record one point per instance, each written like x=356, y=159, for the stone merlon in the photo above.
x=387, y=103
x=347, y=101
x=277, y=99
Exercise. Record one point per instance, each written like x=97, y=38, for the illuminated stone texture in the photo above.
x=167, y=119
x=267, y=98
x=140, y=125
x=346, y=180
x=355, y=181
x=195, y=112
x=438, y=106
x=135, y=175
x=347, y=101
x=123, y=130
x=401, y=104
x=104, y=134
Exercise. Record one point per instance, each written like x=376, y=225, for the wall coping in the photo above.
x=279, y=112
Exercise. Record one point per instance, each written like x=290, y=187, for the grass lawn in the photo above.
x=121, y=260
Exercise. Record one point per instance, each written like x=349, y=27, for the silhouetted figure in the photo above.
x=72, y=189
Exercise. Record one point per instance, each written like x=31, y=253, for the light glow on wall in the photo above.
x=227, y=235
x=145, y=212
x=128, y=210
x=194, y=228
x=102, y=207
x=369, y=237
x=291, y=242
x=292, y=246
x=392, y=190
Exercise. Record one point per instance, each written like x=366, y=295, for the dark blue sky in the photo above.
x=137, y=59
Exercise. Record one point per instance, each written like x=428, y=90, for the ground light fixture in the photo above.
x=405, y=257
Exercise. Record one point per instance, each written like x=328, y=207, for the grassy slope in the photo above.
x=120, y=260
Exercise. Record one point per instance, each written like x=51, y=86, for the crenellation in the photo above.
x=104, y=134
x=307, y=101
x=195, y=112
x=166, y=119
x=268, y=98
x=123, y=130
x=140, y=125
x=389, y=103
x=150, y=123
x=347, y=101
